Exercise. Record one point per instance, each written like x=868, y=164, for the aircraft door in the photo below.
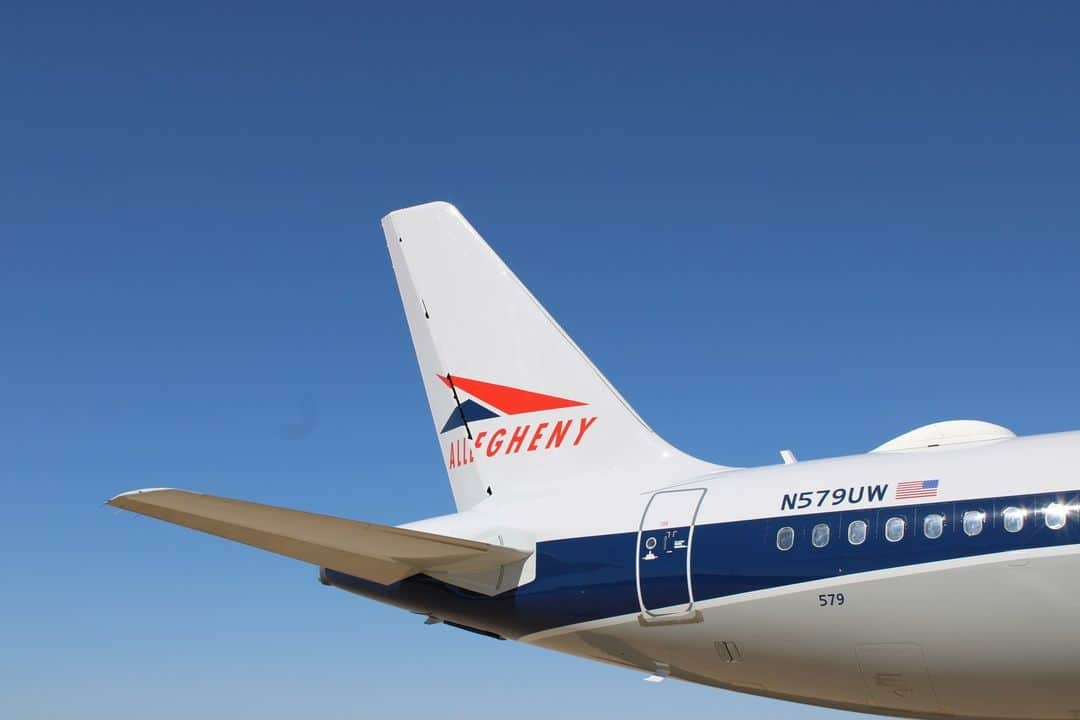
x=663, y=553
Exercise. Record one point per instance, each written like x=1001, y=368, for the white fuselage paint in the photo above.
x=992, y=636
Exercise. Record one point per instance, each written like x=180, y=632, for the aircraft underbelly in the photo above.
x=994, y=638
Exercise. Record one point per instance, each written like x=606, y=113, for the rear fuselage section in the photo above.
x=817, y=581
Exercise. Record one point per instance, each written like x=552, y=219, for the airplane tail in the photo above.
x=517, y=406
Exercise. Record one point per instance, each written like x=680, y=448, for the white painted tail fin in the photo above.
x=517, y=406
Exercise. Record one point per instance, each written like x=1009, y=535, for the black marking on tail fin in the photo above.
x=461, y=411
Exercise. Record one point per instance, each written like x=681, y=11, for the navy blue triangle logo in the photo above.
x=472, y=410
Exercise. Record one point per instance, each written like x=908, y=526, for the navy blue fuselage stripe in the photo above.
x=589, y=578
x=472, y=410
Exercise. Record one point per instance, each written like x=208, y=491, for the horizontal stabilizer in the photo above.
x=379, y=553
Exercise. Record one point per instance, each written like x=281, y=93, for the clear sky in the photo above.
x=771, y=225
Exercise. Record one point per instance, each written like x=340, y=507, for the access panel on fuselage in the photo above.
x=663, y=552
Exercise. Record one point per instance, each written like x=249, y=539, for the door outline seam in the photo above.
x=687, y=615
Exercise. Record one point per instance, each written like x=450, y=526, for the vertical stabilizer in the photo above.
x=516, y=405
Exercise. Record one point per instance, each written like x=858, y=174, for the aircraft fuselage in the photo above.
x=936, y=606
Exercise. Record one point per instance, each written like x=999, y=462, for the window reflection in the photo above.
x=856, y=532
x=933, y=525
x=819, y=538
x=785, y=538
x=1013, y=519
x=894, y=529
x=973, y=522
x=1056, y=514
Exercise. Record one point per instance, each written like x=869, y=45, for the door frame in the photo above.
x=646, y=614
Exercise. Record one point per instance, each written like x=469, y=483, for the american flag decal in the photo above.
x=917, y=489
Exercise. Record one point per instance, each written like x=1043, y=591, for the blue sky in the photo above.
x=770, y=225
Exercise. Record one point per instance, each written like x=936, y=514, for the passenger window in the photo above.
x=894, y=529
x=1013, y=519
x=933, y=525
x=819, y=538
x=1056, y=515
x=973, y=522
x=856, y=532
x=785, y=538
